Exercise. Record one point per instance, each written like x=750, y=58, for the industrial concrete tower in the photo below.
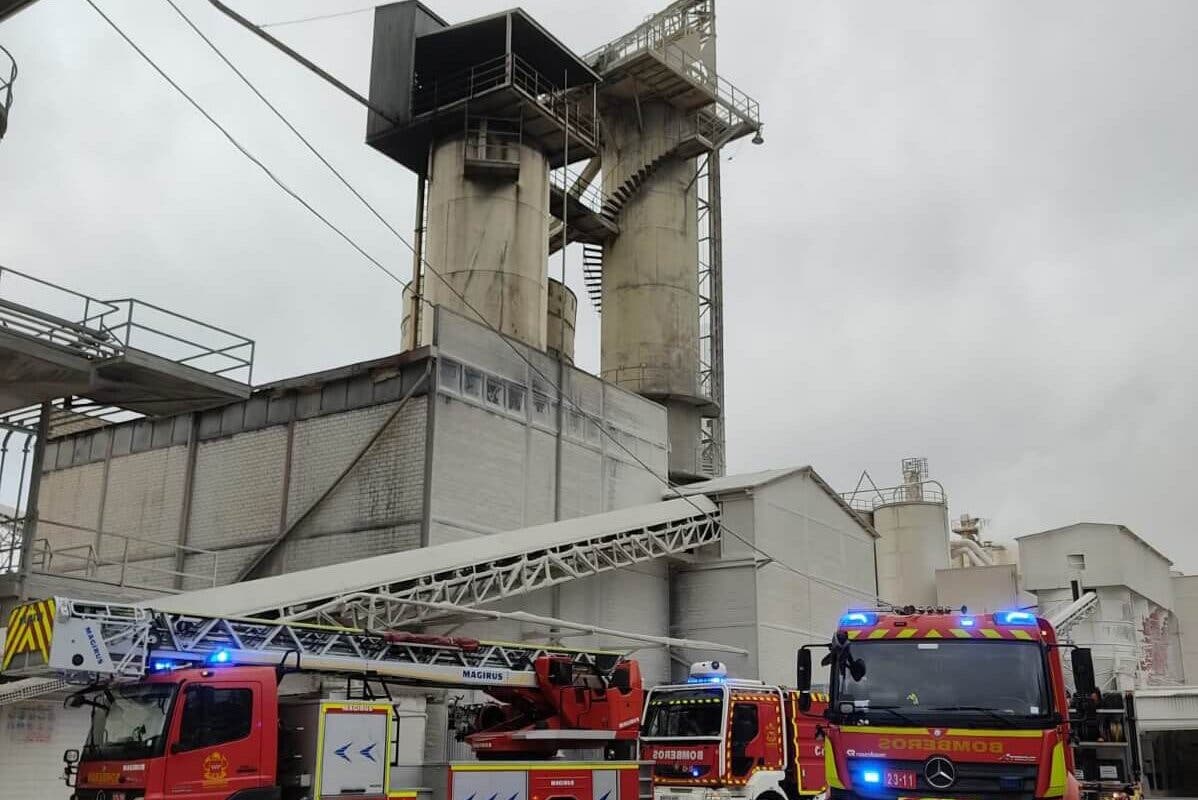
x=666, y=114
x=491, y=113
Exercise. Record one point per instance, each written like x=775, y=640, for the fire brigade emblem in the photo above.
x=937, y=732
x=216, y=769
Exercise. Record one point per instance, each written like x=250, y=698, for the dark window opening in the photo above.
x=215, y=716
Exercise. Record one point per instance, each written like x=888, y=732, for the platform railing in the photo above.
x=101, y=329
x=508, y=69
x=568, y=180
x=872, y=499
x=122, y=560
x=43, y=310
x=138, y=325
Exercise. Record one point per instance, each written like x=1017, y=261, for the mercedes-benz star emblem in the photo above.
x=940, y=772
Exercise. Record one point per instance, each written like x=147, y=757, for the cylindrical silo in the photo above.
x=559, y=327
x=650, y=331
x=488, y=237
x=912, y=545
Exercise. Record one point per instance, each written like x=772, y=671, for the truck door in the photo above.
x=215, y=746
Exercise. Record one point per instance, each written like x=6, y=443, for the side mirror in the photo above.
x=857, y=669
x=1083, y=672
x=804, y=701
x=803, y=670
x=70, y=756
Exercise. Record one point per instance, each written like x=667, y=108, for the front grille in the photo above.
x=1012, y=781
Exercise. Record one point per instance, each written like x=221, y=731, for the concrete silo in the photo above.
x=912, y=525
x=482, y=112
x=666, y=114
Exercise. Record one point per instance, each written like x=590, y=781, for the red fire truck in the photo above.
x=240, y=709
x=939, y=703
x=716, y=738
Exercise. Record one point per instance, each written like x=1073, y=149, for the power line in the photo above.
x=242, y=149
x=313, y=19
x=285, y=121
x=424, y=262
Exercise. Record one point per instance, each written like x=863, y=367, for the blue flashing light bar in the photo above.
x=219, y=657
x=161, y=666
x=1016, y=618
x=856, y=619
x=968, y=622
x=871, y=776
x=706, y=679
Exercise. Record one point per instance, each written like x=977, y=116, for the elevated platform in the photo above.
x=57, y=343
x=431, y=76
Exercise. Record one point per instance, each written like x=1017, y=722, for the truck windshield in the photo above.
x=996, y=681
x=684, y=713
x=132, y=724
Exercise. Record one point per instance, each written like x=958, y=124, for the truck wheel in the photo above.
x=770, y=796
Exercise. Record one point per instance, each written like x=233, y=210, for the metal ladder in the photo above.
x=108, y=641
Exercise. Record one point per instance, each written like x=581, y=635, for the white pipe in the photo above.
x=979, y=556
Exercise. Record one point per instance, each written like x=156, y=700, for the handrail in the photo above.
x=871, y=499
x=89, y=558
x=103, y=329
x=567, y=179
x=508, y=69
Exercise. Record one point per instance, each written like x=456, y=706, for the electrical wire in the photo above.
x=242, y=149
x=285, y=121
x=670, y=486
x=312, y=19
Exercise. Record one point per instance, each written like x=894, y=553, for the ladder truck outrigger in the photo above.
x=941, y=703
x=225, y=708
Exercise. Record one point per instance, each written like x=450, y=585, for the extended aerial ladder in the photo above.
x=83, y=642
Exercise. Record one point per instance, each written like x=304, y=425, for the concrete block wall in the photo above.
x=228, y=481
x=236, y=498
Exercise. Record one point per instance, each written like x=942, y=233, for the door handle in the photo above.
x=246, y=769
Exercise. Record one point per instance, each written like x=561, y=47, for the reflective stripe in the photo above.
x=1057, y=780
x=854, y=634
x=831, y=776
x=933, y=634
x=960, y=633
x=1019, y=633
x=906, y=633
x=877, y=633
x=990, y=633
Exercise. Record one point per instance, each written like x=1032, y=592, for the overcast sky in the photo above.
x=970, y=235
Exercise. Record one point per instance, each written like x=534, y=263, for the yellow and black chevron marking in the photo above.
x=947, y=633
x=29, y=630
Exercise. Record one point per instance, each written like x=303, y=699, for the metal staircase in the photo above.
x=592, y=273
x=1065, y=618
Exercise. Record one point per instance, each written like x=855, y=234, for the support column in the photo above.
x=31, y=504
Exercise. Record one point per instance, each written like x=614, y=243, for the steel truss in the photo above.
x=407, y=603
x=137, y=641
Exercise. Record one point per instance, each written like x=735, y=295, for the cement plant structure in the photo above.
x=488, y=473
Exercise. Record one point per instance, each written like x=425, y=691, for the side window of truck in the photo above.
x=214, y=716
x=744, y=730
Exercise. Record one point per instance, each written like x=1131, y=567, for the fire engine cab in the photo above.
x=717, y=737
x=941, y=703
